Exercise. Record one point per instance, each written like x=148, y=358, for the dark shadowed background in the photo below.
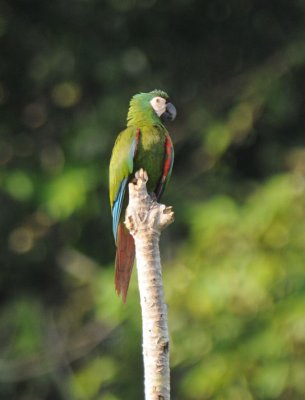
x=234, y=260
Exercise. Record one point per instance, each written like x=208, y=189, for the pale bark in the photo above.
x=145, y=219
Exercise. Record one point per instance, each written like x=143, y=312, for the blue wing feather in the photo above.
x=119, y=198
x=117, y=208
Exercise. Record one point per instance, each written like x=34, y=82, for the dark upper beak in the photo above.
x=170, y=113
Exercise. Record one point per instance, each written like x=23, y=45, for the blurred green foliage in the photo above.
x=234, y=261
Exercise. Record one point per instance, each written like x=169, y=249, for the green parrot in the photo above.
x=145, y=143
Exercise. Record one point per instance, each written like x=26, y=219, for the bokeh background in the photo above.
x=233, y=261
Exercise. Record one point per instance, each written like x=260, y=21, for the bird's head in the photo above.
x=154, y=105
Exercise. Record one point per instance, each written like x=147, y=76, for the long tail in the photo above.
x=124, y=260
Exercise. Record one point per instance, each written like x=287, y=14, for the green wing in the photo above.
x=121, y=166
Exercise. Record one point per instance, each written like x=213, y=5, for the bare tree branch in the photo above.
x=145, y=219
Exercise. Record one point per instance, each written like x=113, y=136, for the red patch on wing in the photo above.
x=138, y=132
x=168, y=156
x=167, y=165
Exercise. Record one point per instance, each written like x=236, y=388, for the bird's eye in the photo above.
x=157, y=100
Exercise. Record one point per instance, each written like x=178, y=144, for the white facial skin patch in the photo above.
x=159, y=105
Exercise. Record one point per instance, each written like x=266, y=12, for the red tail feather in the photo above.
x=124, y=260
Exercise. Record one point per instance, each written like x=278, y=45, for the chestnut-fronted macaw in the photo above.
x=145, y=143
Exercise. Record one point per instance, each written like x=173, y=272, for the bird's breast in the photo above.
x=150, y=156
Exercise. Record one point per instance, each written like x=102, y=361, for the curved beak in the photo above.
x=169, y=113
